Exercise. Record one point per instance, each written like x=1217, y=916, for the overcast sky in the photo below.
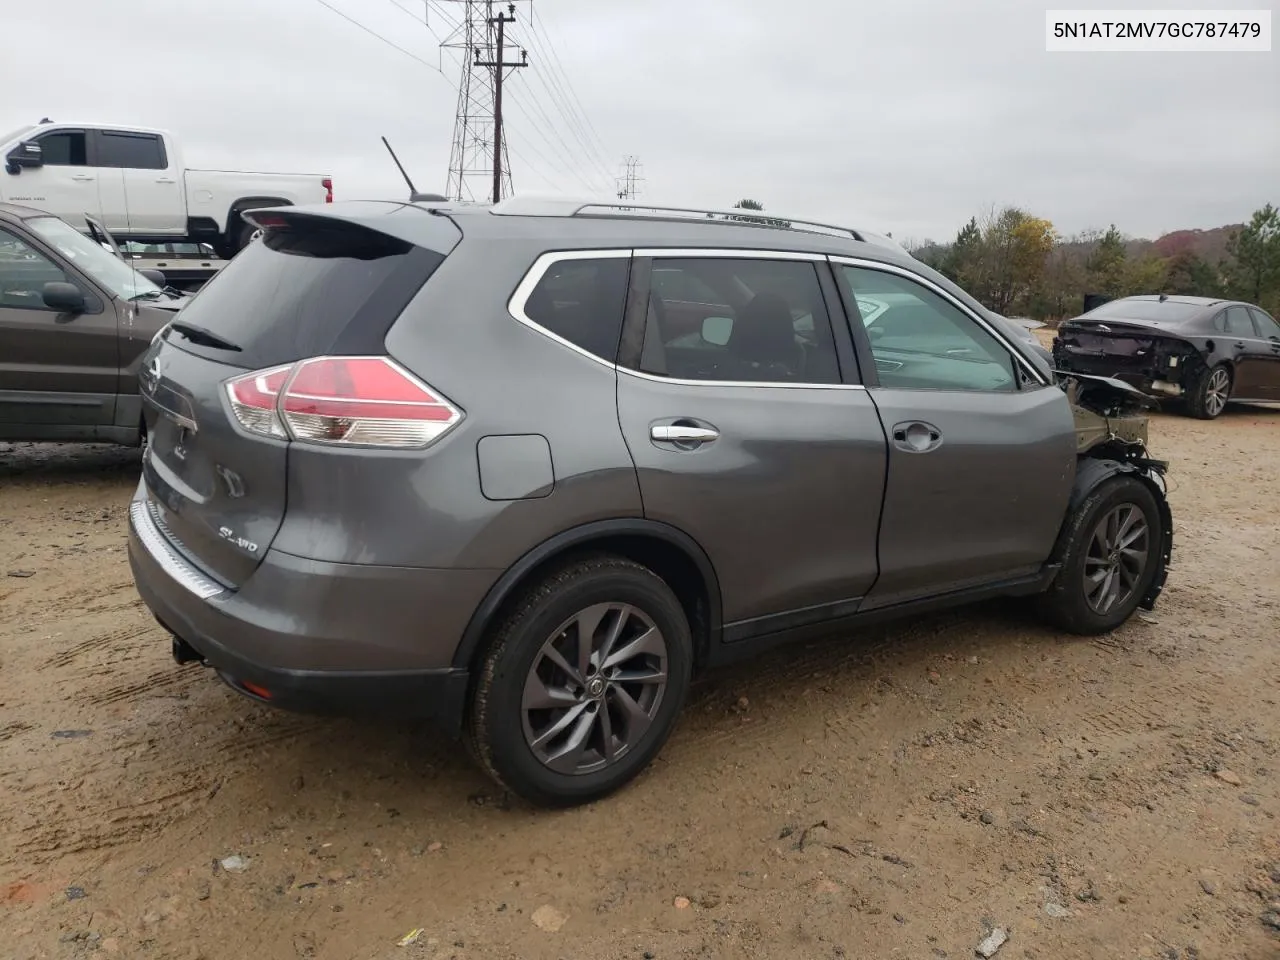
x=905, y=116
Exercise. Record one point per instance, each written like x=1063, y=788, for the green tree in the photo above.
x=1105, y=266
x=1254, y=251
x=748, y=205
x=1188, y=274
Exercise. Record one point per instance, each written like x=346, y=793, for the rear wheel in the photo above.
x=582, y=682
x=1112, y=557
x=1208, y=395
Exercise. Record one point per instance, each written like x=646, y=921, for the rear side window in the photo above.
x=748, y=320
x=582, y=301
x=316, y=287
x=1238, y=322
x=133, y=151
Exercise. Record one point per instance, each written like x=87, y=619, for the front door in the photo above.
x=1249, y=355
x=751, y=436
x=55, y=368
x=981, y=454
x=65, y=185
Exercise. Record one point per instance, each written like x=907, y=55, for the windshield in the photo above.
x=108, y=269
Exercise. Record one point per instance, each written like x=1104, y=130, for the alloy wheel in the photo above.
x=1216, y=392
x=594, y=688
x=1116, y=558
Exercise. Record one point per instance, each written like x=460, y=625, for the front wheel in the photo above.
x=1111, y=560
x=582, y=682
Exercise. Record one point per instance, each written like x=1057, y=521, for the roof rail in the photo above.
x=558, y=207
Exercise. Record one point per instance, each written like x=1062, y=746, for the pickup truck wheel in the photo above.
x=581, y=683
x=1209, y=393
x=248, y=233
x=1111, y=559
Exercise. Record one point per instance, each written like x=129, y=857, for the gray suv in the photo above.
x=523, y=469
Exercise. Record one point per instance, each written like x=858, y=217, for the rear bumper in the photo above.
x=1143, y=377
x=316, y=637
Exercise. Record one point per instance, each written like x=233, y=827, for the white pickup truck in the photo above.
x=134, y=182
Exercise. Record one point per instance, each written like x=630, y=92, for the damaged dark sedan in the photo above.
x=1203, y=352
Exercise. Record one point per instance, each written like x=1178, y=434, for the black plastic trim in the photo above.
x=576, y=538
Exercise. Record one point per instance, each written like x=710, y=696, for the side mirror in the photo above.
x=875, y=333
x=156, y=277
x=63, y=297
x=717, y=330
x=26, y=154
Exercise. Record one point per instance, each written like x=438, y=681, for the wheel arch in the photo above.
x=1091, y=473
x=670, y=552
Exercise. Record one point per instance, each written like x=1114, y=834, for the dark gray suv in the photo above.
x=524, y=469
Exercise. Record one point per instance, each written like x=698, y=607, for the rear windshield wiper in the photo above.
x=206, y=338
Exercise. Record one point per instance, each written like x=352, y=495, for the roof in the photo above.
x=1167, y=298
x=95, y=125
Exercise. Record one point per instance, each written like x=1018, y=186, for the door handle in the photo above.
x=82, y=178
x=682, y=433
x=1240, y=344
x=165, y=180
x=916, y=436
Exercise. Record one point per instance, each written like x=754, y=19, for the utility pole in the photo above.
x=498, y=65
x=630, y=178
x=479, y=150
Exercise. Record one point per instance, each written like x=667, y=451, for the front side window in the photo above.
x=582, y=301
x=750, y=320
x=133, y=151
x=106, y=268
x=23, y=274
x=65, y=148
x=920, y=340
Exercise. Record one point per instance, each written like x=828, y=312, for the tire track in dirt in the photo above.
x=110, y=642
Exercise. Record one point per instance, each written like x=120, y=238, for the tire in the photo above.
x=516, y=672
x=1208, y=395
x=1067, y=603
x=245, y=236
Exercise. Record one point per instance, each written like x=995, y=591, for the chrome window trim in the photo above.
x=516, y=305
x=149, y=527
x=930, y=285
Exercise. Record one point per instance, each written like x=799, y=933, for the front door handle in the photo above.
x=165, y=180
x=1240, y=344
x=82, y=178
x=682, y=433
x=916, y=436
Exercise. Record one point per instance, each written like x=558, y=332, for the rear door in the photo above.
x=751, y=435
x=55, y=368
x=312, y=287
x=1269, y=335
x=1249, y=354
x=152, y=189
x=981, y=452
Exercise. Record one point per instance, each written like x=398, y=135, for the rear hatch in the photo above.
x=316, y=284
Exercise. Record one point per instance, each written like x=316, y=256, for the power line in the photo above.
x=373, y=33
x=538, y=25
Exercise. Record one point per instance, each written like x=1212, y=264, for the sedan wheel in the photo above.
x=1216, y=392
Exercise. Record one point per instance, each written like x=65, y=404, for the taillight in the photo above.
x=327, y=183
x=254, y=397
x=351, y=401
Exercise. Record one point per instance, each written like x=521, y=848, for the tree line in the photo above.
x=1017, y=264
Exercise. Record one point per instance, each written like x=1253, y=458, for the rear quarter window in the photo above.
x=582, y=302
x=329, y=287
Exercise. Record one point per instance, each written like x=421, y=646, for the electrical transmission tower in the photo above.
x=479, y=151
x=628, y=182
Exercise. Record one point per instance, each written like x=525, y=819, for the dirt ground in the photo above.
x=892, y=794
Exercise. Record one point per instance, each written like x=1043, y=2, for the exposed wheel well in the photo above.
x=690, y=579
x=235, y=223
